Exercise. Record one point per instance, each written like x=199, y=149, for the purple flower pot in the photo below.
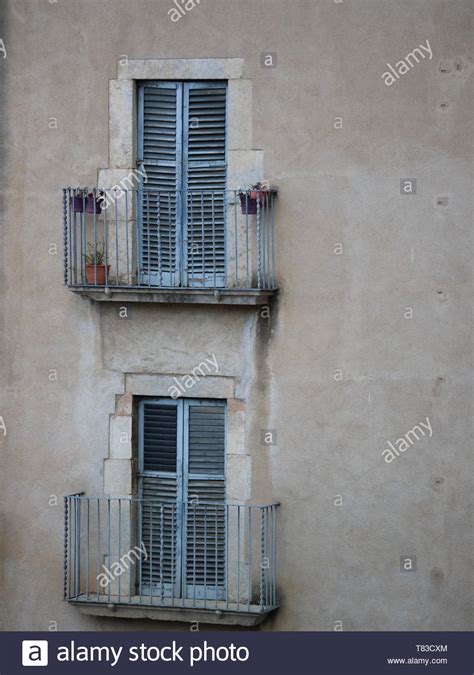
x=249, y=205
x=77, y=204
x=93, y=205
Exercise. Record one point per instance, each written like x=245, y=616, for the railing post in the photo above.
x=65, y=233
x=66, y=547
x=262, y=554
x=77, y=544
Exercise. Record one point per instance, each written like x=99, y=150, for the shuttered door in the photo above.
x=160, y=150
x=182, y=519
x=182, y=143
x=160, y=487
x=204, y=565
x=205, y=172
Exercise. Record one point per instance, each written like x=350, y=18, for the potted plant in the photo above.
x=97, y=273
x=253, y=194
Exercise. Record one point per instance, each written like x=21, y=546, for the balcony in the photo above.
x=143, y=558
x=145, y=245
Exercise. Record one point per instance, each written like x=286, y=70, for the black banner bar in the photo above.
x=249, y=653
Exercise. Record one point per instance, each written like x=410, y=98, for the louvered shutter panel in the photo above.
x=206, y=510
x=205, y=172
x=160, y=492
x=160, y=149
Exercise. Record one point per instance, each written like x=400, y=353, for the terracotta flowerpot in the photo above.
x=95, y=274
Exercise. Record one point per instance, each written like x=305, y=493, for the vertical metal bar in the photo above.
x=262, y=236
x=151, y=552
x=194, y=555
x=66, y=549
x=70, y=546
x=172, y=258
x=148, y=229
x=119, y=540
x=73, y=270
x=267, y=554
x=141, y=507
x=247, y=248
x=249, y=560
x=259, y=246
x=126, y=238
x=272, y=220
x=213, y=237
x=98, y=549
x=117, y=272
x=191, y=253
x=238, y=555
x=262, y=556
x=77, y=559
x=65, y=236
x=215, y=550
x=158, y=212
x=236, y=240
x=83, y=237
x=226, y=553
x=274, y=557
x=87, y=548
x=205, y=556
x=95, y=237
x=139, y=236
x=161, y=552
x=173, y=573
x=130, y=548
x=203, y=239
x=109, y=543
x=106, y=246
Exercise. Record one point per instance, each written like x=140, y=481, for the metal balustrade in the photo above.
x=149, y=239
x=195, y=555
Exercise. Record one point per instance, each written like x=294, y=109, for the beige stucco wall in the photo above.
x=337, y=370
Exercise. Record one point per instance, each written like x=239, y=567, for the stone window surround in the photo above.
x=119, y=478
x=245, y=164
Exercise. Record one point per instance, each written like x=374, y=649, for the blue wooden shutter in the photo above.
x=160, y=487
x=205, y=175
x=160, y=150
x=182, y=461
x=204, y=475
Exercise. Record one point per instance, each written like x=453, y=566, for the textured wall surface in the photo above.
x=370, y=333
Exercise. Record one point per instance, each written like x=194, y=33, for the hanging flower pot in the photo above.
x=93, y=204
x=254, y=195
x=248, y=205
x=76, y=203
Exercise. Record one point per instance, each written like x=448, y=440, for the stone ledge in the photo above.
x=186, y=296
x=179, y=614
x=181, y=69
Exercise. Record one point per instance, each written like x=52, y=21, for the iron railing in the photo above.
x=149, y=239
x=142, y=552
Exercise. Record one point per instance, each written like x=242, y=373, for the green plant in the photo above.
x=95, y=253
